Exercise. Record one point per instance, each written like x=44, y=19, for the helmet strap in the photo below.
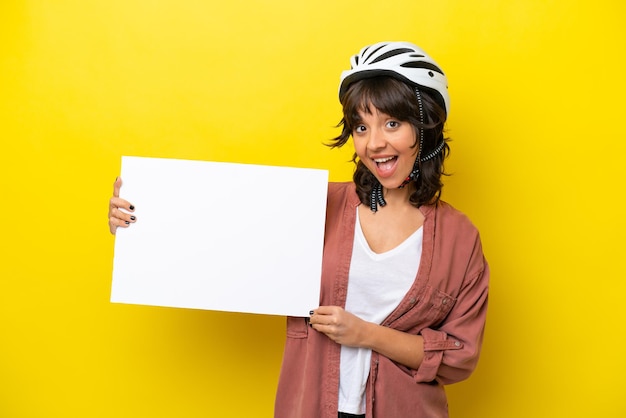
x=376, y=197
x=415, y=173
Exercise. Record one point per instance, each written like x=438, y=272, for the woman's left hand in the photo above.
x=339, y=325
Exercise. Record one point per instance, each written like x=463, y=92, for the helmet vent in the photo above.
x=372, y=53
x=422, y=64
x=391, y=54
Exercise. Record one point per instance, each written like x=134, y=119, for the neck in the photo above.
x=397, y=197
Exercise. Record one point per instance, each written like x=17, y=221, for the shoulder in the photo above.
x=340, y=188
x=457, y=243
x=341, y=193
x=445, y=212
x=342, y=198
x=452, y=224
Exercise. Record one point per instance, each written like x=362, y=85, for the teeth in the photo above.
x=383, y=160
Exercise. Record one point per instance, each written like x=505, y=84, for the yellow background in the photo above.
x=538, y=133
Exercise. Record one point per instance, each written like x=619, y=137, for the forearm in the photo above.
x=401, y=347
x=347, y=329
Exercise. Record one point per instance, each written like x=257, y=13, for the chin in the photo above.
x=390, y=183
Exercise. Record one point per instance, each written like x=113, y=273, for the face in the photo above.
x=386, y=146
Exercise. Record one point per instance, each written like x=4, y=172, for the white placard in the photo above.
x=221, y=236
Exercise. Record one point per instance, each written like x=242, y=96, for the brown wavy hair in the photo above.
x=399, y=100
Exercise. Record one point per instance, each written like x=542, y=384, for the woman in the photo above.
x=404, y=280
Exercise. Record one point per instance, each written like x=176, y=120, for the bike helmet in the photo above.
x=401, y=60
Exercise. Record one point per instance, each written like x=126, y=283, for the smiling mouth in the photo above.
x=385, y=163
x=384, y=160
x=386, y=166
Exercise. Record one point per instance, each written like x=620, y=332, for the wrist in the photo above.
x=370, y=336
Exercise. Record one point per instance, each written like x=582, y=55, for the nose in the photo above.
x=376, y=139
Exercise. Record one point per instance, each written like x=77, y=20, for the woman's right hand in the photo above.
x=117, y=217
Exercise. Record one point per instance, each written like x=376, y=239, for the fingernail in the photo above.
x=311, y=312
x=132, y=218
x=127, y=223
x=132, y=207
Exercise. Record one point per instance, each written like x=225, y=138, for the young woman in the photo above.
x=404, y=281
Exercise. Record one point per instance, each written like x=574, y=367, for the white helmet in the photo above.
x=401, y=60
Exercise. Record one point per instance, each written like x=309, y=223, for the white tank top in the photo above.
x=376, y=285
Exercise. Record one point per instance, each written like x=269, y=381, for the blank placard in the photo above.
x=221, y=236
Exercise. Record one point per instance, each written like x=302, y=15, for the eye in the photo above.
x=359, y=129
x=393, y=124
